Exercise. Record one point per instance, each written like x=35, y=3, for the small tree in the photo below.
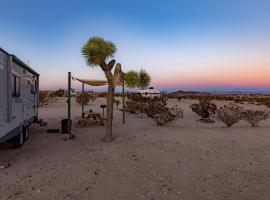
x=83, y=98
x=229, y=114
x=144, y=79
x=254, y=116
x=139, y=79
x=131, y=79
x=60, y=92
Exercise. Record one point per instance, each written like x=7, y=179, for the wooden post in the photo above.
x=69, y=103
x=82, y=98
x=123, y=102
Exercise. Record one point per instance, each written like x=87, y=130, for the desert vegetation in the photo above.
x=206, y=109
x=84, y=98
x=253, y=117
x=153, y=108
x=43, y=97
x=97, y=52
x=134, y=79
x=229, y=114
x=233, y=113
x=60, y=92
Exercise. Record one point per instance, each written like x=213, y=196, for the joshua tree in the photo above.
x=131, y=79
x=144, y=79
x=97, y=52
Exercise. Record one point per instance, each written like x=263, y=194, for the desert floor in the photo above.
x=184, y=160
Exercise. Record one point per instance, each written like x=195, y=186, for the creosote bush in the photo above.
x=170, y=115
x=205, y=109
x=229, y=114
x=153, y=108
x=254, y=116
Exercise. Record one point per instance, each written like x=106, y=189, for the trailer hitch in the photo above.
x=41, y=122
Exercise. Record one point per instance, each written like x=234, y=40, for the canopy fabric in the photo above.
x=93, y=82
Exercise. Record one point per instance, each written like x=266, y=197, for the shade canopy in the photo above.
x=117, y=78
x=93, y=82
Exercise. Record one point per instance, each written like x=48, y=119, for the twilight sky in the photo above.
x=189, y=45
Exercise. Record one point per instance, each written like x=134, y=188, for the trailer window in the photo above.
x=33, y=87
x=16, y=85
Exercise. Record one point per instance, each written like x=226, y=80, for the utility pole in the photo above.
x=69, y=103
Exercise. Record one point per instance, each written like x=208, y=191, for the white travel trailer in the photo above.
x=18, y=99
x=149, y=93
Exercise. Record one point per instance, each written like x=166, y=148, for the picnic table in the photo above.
x=90, y=117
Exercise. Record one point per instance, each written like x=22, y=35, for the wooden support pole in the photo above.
x=123, y=102
x=82, y=98
x=69, y=103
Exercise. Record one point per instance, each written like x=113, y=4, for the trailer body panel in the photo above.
x=19, y=95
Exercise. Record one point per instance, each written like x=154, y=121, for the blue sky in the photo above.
x=189, y=45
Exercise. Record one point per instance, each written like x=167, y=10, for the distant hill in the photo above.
x=181, y=92
x=240, y=92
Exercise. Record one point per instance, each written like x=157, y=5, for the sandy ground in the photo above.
x=185, y=160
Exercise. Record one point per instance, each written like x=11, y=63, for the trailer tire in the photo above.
x=25, y=133
x=18, y=140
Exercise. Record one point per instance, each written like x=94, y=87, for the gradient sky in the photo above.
x=188, y=45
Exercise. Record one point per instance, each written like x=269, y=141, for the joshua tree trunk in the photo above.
x=110, y=98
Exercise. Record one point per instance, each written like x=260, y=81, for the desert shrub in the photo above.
x=171, y=115
x=83, y=98
x=267, y=103
x=52, y=95
x=238, y=100
x=205, y=109
x=254, y=116
x=154, y=109
x=60, y=92
x=132, y=106
x=102, y=94
x=164, y=99
x=43, y=95
x=229, y=114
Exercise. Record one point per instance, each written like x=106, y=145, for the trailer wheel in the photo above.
x=18, y=140
x=25, y=133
